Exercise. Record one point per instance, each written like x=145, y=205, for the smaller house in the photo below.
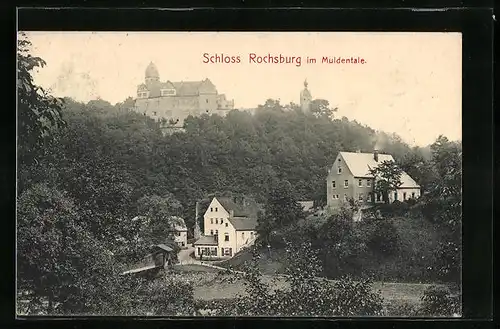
x=160, y=256
x=229, y=226
x=179, y=232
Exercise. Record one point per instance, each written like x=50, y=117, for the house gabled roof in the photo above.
x=239, y=210
x=243, y=223
x=360, y=164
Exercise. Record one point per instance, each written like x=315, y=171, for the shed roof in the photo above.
x=206, y=240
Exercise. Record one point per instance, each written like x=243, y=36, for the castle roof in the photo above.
x=360, y=164
x=152, y=71
x=182, y=88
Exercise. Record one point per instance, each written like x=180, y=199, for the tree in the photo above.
x=321, y=108
x=59, y=261
x=387, y=176
x=281, y=210
x=160, y=213
x=38, y=113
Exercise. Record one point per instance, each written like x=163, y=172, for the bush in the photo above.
x=438, y=301
x=384, y=239
x=401, y=309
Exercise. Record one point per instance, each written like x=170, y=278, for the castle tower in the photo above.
x=152, y=74
x=305, y=98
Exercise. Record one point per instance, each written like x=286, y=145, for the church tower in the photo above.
x=305, y=98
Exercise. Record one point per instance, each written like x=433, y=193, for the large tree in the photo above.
x=38, y=113
x=387, y=176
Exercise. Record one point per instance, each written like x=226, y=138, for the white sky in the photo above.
x=410, y=84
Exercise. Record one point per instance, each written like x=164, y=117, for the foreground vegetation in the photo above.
x=86, y=170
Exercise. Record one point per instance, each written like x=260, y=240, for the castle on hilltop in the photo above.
x=173, y=102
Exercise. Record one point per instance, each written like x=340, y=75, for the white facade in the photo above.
x=227, y=238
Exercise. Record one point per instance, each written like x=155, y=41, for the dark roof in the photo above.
x=243, y=223
x=206, y=240
x=182, y=88
x=239, y=210
x=163, y=247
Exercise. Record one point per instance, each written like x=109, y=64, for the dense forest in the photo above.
x=86, y=170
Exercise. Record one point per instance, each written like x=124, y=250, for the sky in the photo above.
x=409, y=84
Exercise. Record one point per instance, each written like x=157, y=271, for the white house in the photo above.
x=349, y=177
x=179, y=232
x=228, y=227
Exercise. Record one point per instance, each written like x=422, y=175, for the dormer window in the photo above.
x=168, y=92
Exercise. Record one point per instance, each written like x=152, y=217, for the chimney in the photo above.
x=375, y=155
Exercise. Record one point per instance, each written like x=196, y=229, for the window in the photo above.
x=213, y=251
x=333, y=184
x=199, y=251
x=404, y=195
x=226, y=224
x=338, y=160
x=221, y=220
x=242, y=234
x=395, y=196
x=216, y=221
x=211, y=232
x=346, y=183
x=206, y=101
x=211, y=220
x=336, y=196
x=154, y=112
x=226, y=237
x=251, y=233
x=369, y=198
x=345, y=197
x=413, y=195
x=360, y=183
x=368, y=182
x=340, y=170
x=379, y=196
x=211, y=209
x=216, y=232
x=360, y=198
x=216, y=209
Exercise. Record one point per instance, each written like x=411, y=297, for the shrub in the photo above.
x=384, y=239
x=437, y=301
x=401, y=309
x=356, y=298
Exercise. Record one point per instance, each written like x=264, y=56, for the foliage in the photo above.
x=38, y=113
x=387, y=176
x=438, y=301
x=321, y=108
x=307, y=294
x=384, y=239
x=280, y=211
x=160, y=213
